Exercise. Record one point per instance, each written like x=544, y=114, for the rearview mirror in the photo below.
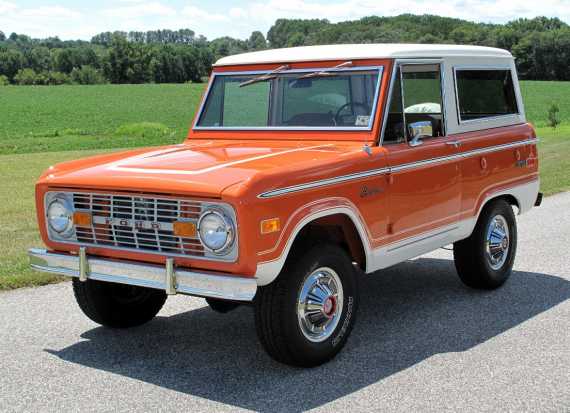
x=419, y=130
x=300, y=83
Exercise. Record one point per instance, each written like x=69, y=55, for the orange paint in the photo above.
x=237, y=166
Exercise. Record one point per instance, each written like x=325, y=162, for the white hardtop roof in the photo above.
x=361, y=51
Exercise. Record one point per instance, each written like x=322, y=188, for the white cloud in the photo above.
x=238, y=13
x=200, y=14
x=153, y=9
x=479, y=10
x=6, y=7
x=57, y=12
x=213, y=20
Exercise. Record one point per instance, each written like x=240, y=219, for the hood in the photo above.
x=201, y=168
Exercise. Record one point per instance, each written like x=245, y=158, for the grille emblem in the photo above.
x=136, y=224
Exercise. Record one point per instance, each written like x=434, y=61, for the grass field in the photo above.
x=40, y=126
x=45, y=118
x=18, y=227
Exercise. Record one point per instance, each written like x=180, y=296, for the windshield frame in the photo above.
x=378, y=68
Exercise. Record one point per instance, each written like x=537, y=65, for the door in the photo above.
x=424, y=184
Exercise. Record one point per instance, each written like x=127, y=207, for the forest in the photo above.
x=541, y=47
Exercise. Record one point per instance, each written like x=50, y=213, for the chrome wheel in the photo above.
x=319, y=305
x=497, y=242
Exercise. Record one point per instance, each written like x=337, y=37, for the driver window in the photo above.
x=416, y=97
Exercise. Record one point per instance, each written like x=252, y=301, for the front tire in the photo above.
x=117, y=305
x=306, y=315
x=485, y=259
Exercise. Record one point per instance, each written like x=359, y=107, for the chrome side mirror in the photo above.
x=419, y=130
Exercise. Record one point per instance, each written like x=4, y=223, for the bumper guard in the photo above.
x=165, y=278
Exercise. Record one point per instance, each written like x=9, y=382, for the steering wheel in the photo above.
x=339, y=119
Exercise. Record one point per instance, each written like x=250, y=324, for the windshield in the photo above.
x=340, y=99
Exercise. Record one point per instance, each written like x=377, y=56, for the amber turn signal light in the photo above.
x=184, y=229
x=82, y=219
x=270, y=225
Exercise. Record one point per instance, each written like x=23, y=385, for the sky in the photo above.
x=70, y=19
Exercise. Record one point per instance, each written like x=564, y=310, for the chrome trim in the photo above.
x=230, y=233
x=83, y=265
x=455, y=144
x=415, y=241
x=170, y=280
x=497, y=242
x=380, y=70
x=167, y=246
x=323, y=182
x=402, y=98
x=319, y=304
x=67, y=200
x=393, y=169
x=388, y=103
x=488, y=118
x=229, y=287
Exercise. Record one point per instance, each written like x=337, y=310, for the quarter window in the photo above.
x=485, y=93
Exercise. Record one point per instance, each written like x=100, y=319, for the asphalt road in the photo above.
x=422, y=342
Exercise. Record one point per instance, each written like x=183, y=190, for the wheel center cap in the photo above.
x=505, y=244
x=329, y=306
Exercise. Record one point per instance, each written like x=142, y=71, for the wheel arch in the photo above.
x=523, y=196
x=508, y=197
x=342, y=225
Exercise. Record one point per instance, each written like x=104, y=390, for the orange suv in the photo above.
x=304, y=168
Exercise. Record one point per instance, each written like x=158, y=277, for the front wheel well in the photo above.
x=338, y=229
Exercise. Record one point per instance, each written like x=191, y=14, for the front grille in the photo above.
x=138, y=222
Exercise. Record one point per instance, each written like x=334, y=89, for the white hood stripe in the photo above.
x=119, y=165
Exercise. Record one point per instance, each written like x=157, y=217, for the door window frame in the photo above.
x=398, y=63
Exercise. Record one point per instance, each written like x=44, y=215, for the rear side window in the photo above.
x=485, y=93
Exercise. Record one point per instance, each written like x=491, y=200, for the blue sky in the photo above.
x=238, y=18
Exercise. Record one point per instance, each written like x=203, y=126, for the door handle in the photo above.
x=456, y=144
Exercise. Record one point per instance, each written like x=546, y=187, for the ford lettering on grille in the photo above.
x=138, y=222
x=137, y=225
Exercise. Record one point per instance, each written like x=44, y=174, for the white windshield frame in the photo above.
x=379, y=69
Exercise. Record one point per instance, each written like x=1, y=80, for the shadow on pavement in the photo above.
x=408, y=313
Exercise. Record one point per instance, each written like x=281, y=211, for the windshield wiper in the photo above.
x=264, y=77
x=326, y=72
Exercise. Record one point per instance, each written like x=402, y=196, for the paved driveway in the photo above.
x=422, y=341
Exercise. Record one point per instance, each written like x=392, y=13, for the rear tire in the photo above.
x=485, y=259
x=305, y=316
x=117, y=305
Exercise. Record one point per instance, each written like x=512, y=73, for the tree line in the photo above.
x=541, y=47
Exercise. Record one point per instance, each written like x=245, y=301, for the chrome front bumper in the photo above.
x=165, y=278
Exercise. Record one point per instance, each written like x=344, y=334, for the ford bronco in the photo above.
x=303, y=169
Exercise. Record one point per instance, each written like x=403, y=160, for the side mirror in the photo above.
x=419, y=130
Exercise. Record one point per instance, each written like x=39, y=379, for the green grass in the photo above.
x=49, y=119
x=18, y=227
x=554, y=159
x=68, y=118
x=539, y=95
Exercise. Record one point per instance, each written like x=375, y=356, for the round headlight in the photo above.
x=216, y=231
x=60, y=217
